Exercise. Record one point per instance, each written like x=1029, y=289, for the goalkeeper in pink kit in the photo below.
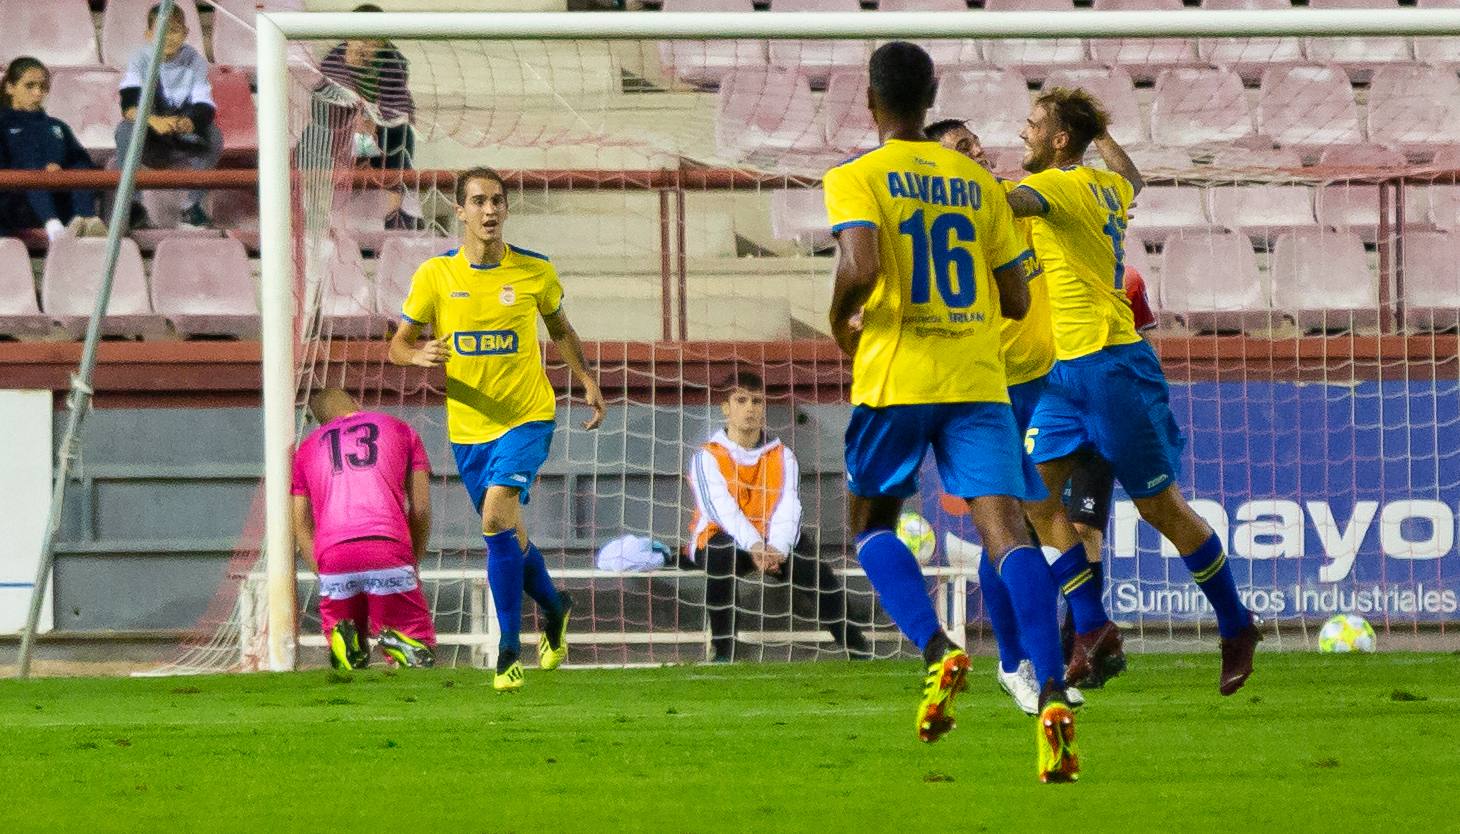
x=362, y=516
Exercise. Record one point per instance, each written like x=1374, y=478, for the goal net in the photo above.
x=1295, y=239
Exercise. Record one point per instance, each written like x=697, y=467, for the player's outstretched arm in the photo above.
x=1026, y=202
x=857, y=266
x=1117, y=160
x=571, y=349
x=303, y=523
x=406, y=348
x=418, y=493
x=1013, y=291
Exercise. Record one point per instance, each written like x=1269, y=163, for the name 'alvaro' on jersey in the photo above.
x=930, y=329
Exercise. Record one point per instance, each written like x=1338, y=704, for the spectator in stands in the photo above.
x=748, y=519
x=375, y=71
x=180, y=131
x=32, y=140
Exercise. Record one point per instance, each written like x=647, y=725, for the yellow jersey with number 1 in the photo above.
x=1080, y=239
x=1028, y=343
x=930, y=329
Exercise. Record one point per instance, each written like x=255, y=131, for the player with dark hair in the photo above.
x=482, y=301
x=1106, y=390
x=930, y=255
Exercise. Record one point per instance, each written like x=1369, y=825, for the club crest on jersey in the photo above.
x=508, y=296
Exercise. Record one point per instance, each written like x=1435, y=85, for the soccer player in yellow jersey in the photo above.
x=927, y=251
x=1106, y=391
x=482, y=301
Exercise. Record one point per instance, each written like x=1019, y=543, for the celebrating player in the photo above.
x=1106, y=390
x=482, y=301
x=929, y=254
x=362, y=516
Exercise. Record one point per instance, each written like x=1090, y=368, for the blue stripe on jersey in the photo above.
x=1023, y=256
x=411, y=320
x=852, y=224
x=529, y=253
x=1042, y=201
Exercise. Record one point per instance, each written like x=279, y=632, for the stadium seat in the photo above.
x=1437, y=50
x=72, y=278
x=708, y=234
x=1150, y=159
x=347, y=298
x=58, y=32
x=818, y=59
x=704, y=63
x=20, y=315
x=1163, y=210
x=1143, y=58
x=1262, y=211
x=1198, y=107
x=1359, y=55
x=1366, y=156
x=1113, y=87
x=1256, y=159
x=845, y=118
x=946, y=53
x=1354, y=207
x=799, y=214
x=1210, y=281
x=86, y=99
x=124, y=29
x=204, y=287
x=1137, y=258
x=237, y=214
x=1308, y=108
x=1249, y=57
x=764, y=115
x=233, y=28
x=1431, y=281
x=995, y=102
x=1440, y=204
x=1035, y=59
x=399, y=258
x=236, y=117
x=1414, y=107
x=1322, y=280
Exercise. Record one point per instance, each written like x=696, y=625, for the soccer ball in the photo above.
x=918, y=535
x=1346, y=633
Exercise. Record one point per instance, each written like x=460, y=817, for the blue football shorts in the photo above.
x=511, y=460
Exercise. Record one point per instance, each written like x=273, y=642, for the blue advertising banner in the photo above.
x=1329, y=499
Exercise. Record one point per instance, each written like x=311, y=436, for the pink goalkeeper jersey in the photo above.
x=353, y=470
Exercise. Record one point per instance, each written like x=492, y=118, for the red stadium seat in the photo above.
x=1210, y=281
x=1249, y=57
x=58, y=32
x=1143, y=58
x=1439, y=203
x=799, y=214
x=1199, y=106
x=1354, y=207
x=237, y=214
x=124, y=29
x=86, y=99
x=1431, y=281
x=1262, y=211
x=1308, y=108
x=1414, y=107
x=20, y=316
x=818, y=59
x=994, y=102
x=705, y=63
x=236, y=117
x=204, y=287
x=1035, y=58
x=1256, y=159
x=347, y=299
x=233, y=28
x=1360, y=55
x=399, y=258
x=946, y=54
x=1113, y=87
x=72, y=277
x=1322, y=280
x=765, y=115
x=844, y=115
x=1163, y=210
x=1437, y=50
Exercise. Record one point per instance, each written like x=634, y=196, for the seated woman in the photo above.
x=30, y=139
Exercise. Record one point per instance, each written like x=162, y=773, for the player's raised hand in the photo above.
x=594, y=398
x=432, y=354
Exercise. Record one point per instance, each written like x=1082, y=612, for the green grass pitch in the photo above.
x=1314, y=743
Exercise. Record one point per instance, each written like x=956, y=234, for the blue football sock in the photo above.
x=537, y=582
x=895, y=576
x=1000, y=609
x=504, y=577
x=1034, y=595
x=1076, y=580
x=1208, y=566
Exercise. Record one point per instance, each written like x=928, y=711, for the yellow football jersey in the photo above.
x=930, y=329
x=1081, y=244
x=1028, y=343
x=488, y=315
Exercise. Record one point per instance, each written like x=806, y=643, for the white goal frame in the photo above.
x=276, y=29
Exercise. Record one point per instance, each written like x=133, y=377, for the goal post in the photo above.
x=279, y=227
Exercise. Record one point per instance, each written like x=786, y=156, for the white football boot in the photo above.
x=1024, y=689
